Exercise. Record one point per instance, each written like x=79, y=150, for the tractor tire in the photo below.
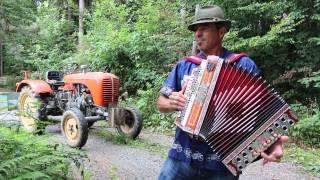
x=132, y=123
x=31, y=110
x=74, y=127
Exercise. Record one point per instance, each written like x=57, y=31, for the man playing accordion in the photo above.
x=191, y=158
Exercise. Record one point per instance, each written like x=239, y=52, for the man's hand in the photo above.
x=175, y=102
x=275, y=152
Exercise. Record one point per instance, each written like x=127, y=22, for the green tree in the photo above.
x=56, y=39
x=16, y=33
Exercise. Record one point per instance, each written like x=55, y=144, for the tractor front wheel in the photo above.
x=131, y=123
x=74, y=127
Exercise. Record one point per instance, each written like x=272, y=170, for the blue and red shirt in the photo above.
x=185, y=148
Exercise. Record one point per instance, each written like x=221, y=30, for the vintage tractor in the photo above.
x=77, y=100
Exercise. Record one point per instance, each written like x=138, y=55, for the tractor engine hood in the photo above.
x=104, y=87
x=94, y=76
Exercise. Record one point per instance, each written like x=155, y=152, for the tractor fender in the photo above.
x=37, y=86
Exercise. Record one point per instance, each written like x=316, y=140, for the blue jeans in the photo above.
x=178, y=170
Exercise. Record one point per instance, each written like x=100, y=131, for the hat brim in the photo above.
x=226, y=23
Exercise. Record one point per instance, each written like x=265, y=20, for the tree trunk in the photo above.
x=1, y=60
x=69, y=12
x=195, y=48
x=1, y=39
x=81, y=23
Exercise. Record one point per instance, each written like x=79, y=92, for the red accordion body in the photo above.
x=234, y=111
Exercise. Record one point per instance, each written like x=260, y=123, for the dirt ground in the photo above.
x=108, y=160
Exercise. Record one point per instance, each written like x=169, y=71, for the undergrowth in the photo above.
x=307, y=131
x=309, y=158
x=146, y=102
x=26, y=156
x=306, y=137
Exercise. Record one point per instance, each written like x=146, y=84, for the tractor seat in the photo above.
x=54, y=78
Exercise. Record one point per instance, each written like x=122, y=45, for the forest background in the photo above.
x=140, y=40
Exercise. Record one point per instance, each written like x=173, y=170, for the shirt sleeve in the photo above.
x=171, y=84
x=250, y=65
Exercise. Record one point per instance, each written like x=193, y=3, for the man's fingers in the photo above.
x=178, y=97
x=274, y=157
x=184, y=87
x=265, y=156
x=264, y=162
x=176, y=101
x=284, y=138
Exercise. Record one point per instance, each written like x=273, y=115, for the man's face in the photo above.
x=208, y=37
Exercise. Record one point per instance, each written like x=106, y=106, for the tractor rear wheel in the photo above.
x=74, y=127
x=31, y=110
x=131, y=123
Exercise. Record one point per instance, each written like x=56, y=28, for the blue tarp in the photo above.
x=8, y=100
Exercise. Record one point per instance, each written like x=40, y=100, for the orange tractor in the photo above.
x=77, y=100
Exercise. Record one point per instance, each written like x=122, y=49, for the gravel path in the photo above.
x=107, y=160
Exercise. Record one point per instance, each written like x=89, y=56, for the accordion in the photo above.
x=234, y=111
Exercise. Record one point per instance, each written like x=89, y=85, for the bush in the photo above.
x=146, y=102
x=9, y=82
x=307, y=130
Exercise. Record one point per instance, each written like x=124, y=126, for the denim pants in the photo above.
x=178, y=170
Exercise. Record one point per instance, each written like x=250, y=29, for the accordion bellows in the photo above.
x=234, y=111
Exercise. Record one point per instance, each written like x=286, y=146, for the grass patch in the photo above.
x=12, y=107
x=113, y=173
x=87, y=175
x=139, y=143
x=309, y=158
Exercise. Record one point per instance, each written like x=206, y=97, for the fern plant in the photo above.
x=25, y=156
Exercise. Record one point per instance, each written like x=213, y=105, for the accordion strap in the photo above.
x=195, y=59
x=233, y=57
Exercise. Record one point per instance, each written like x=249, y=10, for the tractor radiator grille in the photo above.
x=110, y=90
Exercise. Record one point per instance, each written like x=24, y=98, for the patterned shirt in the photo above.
x=192, y=151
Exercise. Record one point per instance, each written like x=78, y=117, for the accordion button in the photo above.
x=268, y=141
x=264, y=144
x=275, y=135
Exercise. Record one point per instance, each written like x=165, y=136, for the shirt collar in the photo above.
x=223, y=56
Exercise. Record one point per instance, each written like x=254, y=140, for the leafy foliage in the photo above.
x=312, y=81
x=55, y=42
x=16, y=33
x=146, y=101
x=135, y=40
x=307, y=130
x=26, y=157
